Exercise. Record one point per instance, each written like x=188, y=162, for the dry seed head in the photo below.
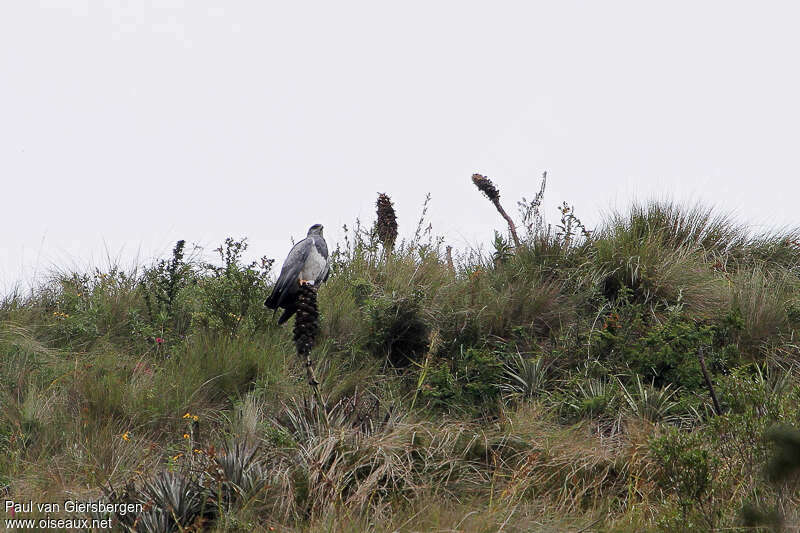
x=486, y=186
x=306, y=322
x=387, y=221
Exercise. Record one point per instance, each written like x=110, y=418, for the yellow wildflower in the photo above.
x=125, y=436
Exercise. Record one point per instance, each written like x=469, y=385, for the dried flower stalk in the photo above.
x=488, y=188
x=386, y=225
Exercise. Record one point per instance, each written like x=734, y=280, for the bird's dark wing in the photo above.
x=287, y=283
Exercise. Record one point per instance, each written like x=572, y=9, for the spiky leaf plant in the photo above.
x=242, y=474
x=177, y=502
x=305, y=421
x=526, y=377
x=386, y=225
x=650, y=403
x=591, y=393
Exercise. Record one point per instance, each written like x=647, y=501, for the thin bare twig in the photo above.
x=707, y=377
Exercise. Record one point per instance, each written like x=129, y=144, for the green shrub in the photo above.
x=83, y=309
x=439, y=388
x=470, y=381
x=687, y=469
x=666, y=351
x=231, y=296
x=782, y=472
x=397, y=330
x=480, y=373
x=784, y=462
x=161, y=285
x=753, y=399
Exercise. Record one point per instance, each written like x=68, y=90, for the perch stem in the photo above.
x=511, y=226
x=707, y=377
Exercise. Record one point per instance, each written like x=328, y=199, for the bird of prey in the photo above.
x=307, y=262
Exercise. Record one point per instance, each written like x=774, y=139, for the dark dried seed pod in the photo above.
x=306, y=322
x=486, y=186
x=387, y=221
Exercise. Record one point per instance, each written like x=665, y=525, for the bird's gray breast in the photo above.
x=314, y=265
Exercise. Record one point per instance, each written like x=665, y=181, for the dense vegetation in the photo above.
x=554, y=385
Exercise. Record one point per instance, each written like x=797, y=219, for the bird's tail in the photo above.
x=287, y=314
x=272, y=301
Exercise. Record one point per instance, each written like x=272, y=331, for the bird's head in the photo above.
x=316, y=229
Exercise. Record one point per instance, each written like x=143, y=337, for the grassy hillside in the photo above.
x=554, y=385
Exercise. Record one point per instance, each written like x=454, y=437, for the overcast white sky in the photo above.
x=125, y=126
